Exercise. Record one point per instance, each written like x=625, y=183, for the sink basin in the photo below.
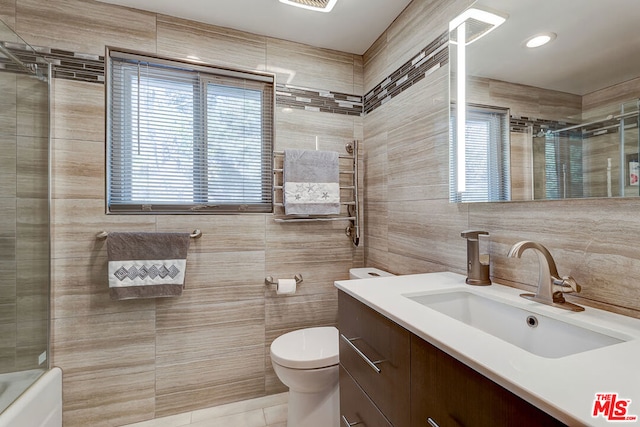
x=538, y=334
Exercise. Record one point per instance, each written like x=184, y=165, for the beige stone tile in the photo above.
x=80, y=288
x=8, y=153
x=8, y=313
x=32, y=107
x=178, y=420
x=108, y=361
x=106, y=399
x=32, y=231
x=239, y=407
x=589, y=240
x=286, y=314
x=615, y=94
x=8, y=105
x=180, y=38
x=8, y=14
x=415, y=160
x=375, y=63
x=32, y=167
x=229, y=328
x=76, y=222
x=220, y=277
x=318, y=278
x=253, y=418
x=78, y=112
x=7, y=342
x=78, y=169
x=429, y=230
x=333, y=130
x=276, y=414
x=220, y=233
x=310, y=67
x=8, y=282
x=227, y=378
x=85, y=26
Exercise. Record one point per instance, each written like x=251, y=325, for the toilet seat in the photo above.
x=309, y=348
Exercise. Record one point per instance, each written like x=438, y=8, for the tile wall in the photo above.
x=411, y=227
x=130, y=361
x=24, y=215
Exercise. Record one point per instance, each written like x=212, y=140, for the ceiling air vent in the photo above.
x=317, y=5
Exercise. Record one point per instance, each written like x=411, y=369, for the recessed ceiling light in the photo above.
x=317, y=5
x=540, y=39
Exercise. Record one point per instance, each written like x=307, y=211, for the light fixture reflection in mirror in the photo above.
x=480, y=23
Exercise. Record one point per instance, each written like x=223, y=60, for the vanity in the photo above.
x=429, y=350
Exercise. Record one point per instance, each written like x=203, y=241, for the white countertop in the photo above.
x=564, y=387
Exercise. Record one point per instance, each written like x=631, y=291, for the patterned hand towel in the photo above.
x=311, y=182
x=146, y=265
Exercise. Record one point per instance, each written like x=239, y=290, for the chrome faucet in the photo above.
x=551, y=286
x=477, y=265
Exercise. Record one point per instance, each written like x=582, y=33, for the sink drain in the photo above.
x=532, y=321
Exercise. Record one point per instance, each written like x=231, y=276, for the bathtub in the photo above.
x=38, y=405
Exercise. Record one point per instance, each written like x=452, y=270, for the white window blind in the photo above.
x=183, y=138
x=487, y=165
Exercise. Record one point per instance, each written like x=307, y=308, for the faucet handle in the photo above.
x=566, y=284
x=473, y=234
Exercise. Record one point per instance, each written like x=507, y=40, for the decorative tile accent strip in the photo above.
x=523, y=124
x=90, y=68
x=429, y=59
x=66, y=65
x=300, y=98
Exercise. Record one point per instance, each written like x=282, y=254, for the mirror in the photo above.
x=551, y=122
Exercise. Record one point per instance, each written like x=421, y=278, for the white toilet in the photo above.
x=306, y=361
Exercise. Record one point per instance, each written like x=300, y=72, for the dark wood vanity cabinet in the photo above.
x=417, y=385
x=375, y=352
x=451, y=394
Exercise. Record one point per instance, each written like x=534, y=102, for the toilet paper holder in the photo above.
x=270, y=281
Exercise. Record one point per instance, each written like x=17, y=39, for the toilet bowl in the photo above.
x=306, y=361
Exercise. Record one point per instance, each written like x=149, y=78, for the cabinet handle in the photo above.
x=361, y=354
x=346, y=422
x=432, y=423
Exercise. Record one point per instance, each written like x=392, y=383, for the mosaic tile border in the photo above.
x=65, y=64
x=521, y=124
x=434, y=56
x=299, y=98
x=90, y=68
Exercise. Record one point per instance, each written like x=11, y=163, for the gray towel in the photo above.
x=311, y=182
x=146, y=265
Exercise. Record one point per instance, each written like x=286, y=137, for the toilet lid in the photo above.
x=308, y=348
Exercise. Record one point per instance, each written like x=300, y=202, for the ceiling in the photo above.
x=597, y=44
x=352, y=26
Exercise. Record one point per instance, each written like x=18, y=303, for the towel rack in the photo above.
x=196, y=234
x=351, y=212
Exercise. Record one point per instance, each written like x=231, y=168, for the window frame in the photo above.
x=498, y=185
x=207, y=74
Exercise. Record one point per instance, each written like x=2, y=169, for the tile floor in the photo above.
x=268, y=411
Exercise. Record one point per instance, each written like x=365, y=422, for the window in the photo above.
x=487, y=156
x=183, y=138
x=563, y=166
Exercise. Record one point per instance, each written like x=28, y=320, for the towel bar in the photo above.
x=103, y=234
x=351, y=213
x=270, y=281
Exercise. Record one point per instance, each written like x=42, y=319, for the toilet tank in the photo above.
x=368, y=273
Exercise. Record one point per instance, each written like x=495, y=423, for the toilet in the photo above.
x=307, y=361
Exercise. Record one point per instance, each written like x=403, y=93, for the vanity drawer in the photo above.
x=376, y=352
x=355, y=405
